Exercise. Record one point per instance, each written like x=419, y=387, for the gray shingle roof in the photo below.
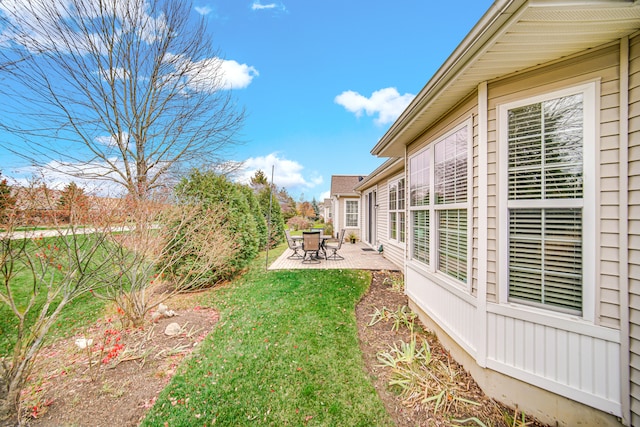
x=343, y=185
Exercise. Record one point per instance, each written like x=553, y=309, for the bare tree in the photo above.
x=39, y=277
x=122, y=90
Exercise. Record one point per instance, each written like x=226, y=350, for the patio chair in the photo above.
x=335, y=248
x=294, y=246
x=311, y=247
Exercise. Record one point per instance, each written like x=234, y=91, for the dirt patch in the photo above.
x=129, y=367
x=385, y=291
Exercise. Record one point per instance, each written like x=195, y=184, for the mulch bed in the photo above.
x=379, y=337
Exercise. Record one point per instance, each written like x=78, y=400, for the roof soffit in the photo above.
x=519, y=36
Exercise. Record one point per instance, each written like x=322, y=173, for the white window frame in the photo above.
x=346, y=213
x=432, y=208
x=591, y=96
x=400, y=230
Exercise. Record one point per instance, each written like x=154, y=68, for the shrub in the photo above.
x=216, y=192
x=298, y=223
x=277, y=222
x=259, y=215
x=328, y=228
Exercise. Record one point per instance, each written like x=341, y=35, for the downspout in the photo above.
x=483, y=156
x=625, y=346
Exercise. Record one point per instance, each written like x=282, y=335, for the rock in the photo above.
x=172, y=329
x=83, y=343
x=162, y=309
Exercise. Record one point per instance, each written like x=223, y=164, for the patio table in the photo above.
x=323, y=242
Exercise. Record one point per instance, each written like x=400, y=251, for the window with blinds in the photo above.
x=396, y=210
x=545, y=190
x=438, y=204
x=420, y=230
x=393, y=206
x=351, y=213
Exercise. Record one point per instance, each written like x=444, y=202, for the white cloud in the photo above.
x=215, y=73
x=286, y=173
x=29, y=22
x=203, y=10
x=111, y=141
x=236, y=75
x=386, y=103
x=270, y=6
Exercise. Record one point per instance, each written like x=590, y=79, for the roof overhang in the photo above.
x=384, y=171
x=512, y=36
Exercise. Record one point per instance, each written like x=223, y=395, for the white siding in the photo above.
x=634, y=227
x=452, y=308
x=583, y=365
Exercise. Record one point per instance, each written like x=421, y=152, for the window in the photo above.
x=439, y=223
x=545, y=174
x=351, y=213
x=396, y=210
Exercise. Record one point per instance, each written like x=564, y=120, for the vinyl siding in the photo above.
x=634, y=227
x=492, y=207
x=609, y=297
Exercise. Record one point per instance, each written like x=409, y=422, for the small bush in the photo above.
x=299, y=223
x=328, y=228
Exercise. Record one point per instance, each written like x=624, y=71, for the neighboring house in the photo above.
x=345, y=203
x=325, y=210
x=521, y=168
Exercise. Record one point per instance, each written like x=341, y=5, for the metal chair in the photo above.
x=311, y=246
x=294, y=246
x=334, y=249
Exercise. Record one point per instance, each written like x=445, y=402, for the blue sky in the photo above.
x=322, y=81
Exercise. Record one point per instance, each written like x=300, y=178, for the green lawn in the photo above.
x=82, y=311
x=285, y=352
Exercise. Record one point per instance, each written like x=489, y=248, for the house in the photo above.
x=511, y=197
x=345, y=203
x=325, y=210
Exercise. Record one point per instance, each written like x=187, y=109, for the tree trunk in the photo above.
x=9, y=400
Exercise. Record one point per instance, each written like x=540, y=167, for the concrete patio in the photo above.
x=357, y=256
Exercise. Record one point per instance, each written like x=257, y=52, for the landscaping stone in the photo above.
x=172, y=329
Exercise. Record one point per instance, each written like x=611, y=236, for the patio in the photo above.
x=357, y=256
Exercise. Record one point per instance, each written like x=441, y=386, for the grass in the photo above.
x=81, y=311
x=285, y=352
x=84, y=310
